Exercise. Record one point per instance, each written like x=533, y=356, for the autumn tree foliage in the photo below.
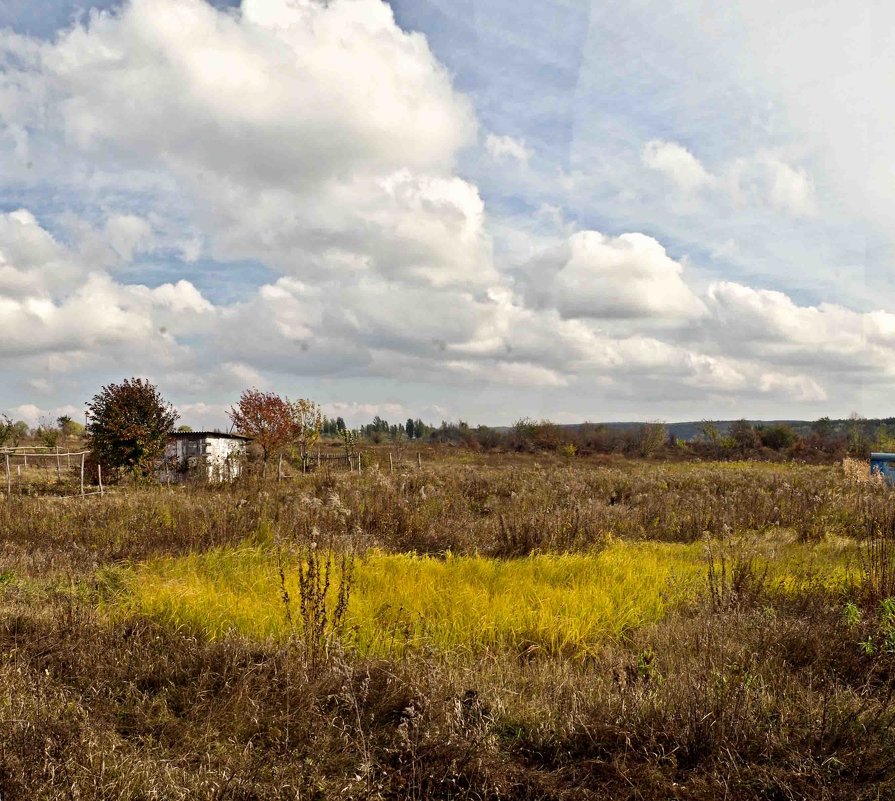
x=307, y=420
x=266, y=418
x=277, y=424
x=128, y=425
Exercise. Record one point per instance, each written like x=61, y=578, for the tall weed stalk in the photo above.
x=325, y=580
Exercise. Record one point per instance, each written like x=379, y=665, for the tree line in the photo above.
x=128, y=426
x=380, y=430
x=47, y=432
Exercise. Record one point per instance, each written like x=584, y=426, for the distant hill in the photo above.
x=693, y=428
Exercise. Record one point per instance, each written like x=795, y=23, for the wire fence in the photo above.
x=37, y=469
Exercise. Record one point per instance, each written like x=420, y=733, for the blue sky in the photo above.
x=476, y=210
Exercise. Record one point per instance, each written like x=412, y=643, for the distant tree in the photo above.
x=547, y=436
x=884, y=441
x=19, y=431
x=48, y=433
x=69, y=428
x=6, y=429
x=744, y=435
x=488, y=437
x=709, y=432
x=267, y=419
x=409, y=428
x=332, y=426
x=823, y=427
x=857, y=435
x=128, y=425
x=778, y=437
x=651, y=437
x=307, y=420
x=185, y=429
x=349, y=441
x=523, y=432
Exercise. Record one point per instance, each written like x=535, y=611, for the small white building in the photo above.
x=204, y=456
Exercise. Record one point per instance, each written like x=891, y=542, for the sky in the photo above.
x=450, y=209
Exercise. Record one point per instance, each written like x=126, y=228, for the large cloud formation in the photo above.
x=319, y=137
x=322, y=141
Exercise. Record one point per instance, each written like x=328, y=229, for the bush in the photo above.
x=778, y=437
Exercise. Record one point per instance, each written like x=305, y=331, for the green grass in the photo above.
x=557, y=604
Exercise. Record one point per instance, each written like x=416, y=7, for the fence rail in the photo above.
x=38, y=454
x=43, y=452
x=353, y=461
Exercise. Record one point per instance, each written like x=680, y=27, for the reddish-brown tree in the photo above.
x=129, y=425
x=266, y=418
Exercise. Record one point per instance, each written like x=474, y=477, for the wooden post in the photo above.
x=25, y=454
x=350, y=464
x=82, y=474
x=99, y=475
x=391, y=466
x=419, y=460
x=58, y=465
x=318, y=458
x=8, y=478
x=359, y=463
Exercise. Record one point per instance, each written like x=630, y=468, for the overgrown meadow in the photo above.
x=481, y=627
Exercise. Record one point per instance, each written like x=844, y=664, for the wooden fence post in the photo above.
x=318, y=458
x=58, y=465
x=8, y=478
x=419, y=460
x=359, y=461
x=99, y=475
x=391, y=466
x=82, y=474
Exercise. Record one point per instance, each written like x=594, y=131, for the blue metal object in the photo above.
x=883, y=464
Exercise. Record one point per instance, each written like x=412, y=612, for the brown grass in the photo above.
x=750, y=693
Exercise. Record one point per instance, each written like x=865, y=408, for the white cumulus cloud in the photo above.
x=626, y=277
x=677, y=163
x=299, y=129
x=501, y=148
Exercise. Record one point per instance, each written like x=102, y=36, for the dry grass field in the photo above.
x=486, y=627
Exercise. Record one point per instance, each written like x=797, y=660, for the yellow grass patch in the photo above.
x=558, y=604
